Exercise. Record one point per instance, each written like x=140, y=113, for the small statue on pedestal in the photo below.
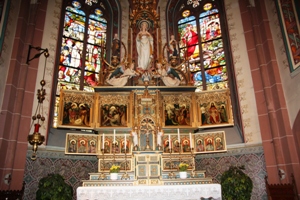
x=159, y=134
x=135, y=140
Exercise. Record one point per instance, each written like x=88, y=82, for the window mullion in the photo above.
x=201, y=55
x=84, y=52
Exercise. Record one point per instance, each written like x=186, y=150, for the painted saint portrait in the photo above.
x=213, y=113
x=166, y=146
x=177, y=115
x=176, y=147
x=92, y=147
x=219, y=143
x=186, y=146
x=82, y=146
x=106, y=147
x=113, y=115
x=209, y=146
x=72, y=146
x=200, y=146
x=76, y=114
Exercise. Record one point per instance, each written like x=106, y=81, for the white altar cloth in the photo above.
x=159, y=192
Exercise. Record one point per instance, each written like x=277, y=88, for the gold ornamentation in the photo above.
x=119, y=99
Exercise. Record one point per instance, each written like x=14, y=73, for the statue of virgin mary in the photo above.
x=144, y=45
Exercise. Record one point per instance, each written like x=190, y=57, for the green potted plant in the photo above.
x=182, y=170
x=114, y=170
x=54, y=186
x=236, y=185
x=183, y=167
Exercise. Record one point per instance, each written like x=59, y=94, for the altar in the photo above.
x=148, y=125
x=174, y=192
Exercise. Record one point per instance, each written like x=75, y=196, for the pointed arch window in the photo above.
x=83, y=40
x=201, y=43
x=81, y=50
x=201, y=31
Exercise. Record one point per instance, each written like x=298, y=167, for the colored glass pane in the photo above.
x=98, y=18
x=95, y=43
x=195, y=3
x=75, y=10
x=69, y=74
x=210, y=27
x=74, y=26
x=213, y=54
x=186, y=19
x=215, y=75
x=90, y=2
x=194, y=66
x=207, y=6
x=185, y=13
x=189, y=39
x=208, y=12
x=197, y=78
x=96, y=32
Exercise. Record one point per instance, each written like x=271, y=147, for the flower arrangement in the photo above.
x=183, y=167
x=114, y=169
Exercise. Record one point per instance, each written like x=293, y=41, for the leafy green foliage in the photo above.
x=53, y=186
x=236, y=185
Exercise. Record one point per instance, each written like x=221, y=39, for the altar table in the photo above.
x=159, y=192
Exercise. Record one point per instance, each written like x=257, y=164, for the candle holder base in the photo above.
x=102, y=176
x=135, y=148
x=172, y=175
x=125, y=176
x=148, y=148
x=193, y=174
x=159, y=148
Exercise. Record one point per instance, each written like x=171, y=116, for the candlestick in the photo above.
x=102, y=140
x=114, y=135
x=178, y=135
x=191, y=140
x=125, y=143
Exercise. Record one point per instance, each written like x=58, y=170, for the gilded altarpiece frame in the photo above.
x=113, y=110
x=147, y=117
x=114, y=144
x=180, y=144
x=210, y=142
x=171, y=163
x=109, y=160
x=214, y=109
x=82, y=144
x=178, y=110
x=76, y=109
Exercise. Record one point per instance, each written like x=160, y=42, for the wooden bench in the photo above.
x=12, y=194
x=286, y=191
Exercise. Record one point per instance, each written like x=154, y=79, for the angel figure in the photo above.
x=134, y=135
x=169, y=76
x=126, y=73
x=160, y=133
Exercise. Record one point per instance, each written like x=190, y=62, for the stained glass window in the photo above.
x=83, y=44
x=201, y=43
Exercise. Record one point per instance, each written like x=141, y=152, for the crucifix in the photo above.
x=147, y=135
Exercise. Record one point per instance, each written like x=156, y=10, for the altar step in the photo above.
x=103, y=179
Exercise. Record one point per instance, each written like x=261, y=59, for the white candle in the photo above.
x=102, y=140
x=190, y=140
x=169, y=141
x=114, y=135
x=125, y=143
x=178, y=135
